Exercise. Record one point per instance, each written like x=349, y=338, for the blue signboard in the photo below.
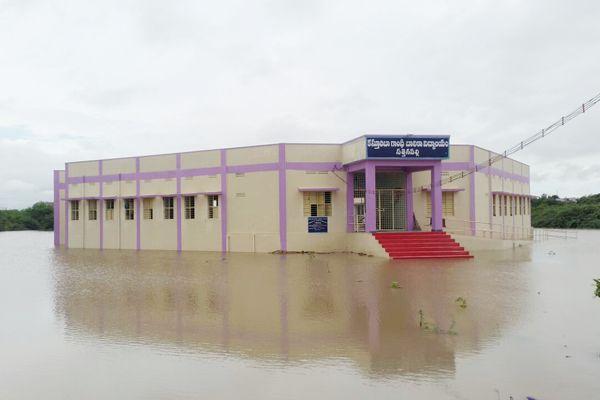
x=317, y=224
x=409, y=146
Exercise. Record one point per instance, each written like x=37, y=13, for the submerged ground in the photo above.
x=122, y=324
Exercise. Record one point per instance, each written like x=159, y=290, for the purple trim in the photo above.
x=138, y=230
x=503, y=193
x=282, y=199
x=314, y=166
x=421, y=165
x=178, y=166
x=252, y=168
x=426, y=189
x=56, y=206
x=472, y=191
x=436, y=197
x=223, y=201
x=186, y=173
x=370, y=213
x=66, y=207
x=503, y=174
x=101, y=207
x=318, y=189
x=456, y=166
x=350, y=202
x=409, y=203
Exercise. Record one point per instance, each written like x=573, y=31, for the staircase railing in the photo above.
x=489, y=230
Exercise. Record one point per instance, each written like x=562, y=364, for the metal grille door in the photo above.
x=391, y=209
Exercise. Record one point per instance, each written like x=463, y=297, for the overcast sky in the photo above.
x=95, y=79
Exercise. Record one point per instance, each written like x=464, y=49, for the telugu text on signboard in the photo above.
x=418, y=147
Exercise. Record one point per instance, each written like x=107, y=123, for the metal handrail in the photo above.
x=490, y=230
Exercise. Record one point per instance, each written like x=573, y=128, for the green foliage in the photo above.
x=396, y=285
x=597, y=293
x=39, y=217
x=553, y=212
x=462, y=302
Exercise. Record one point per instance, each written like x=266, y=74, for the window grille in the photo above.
x=190, y=207
x=505, y=205
x=317, y=204
x=129, y=209
x=213, y=206
x=92, y=210
x=510, y=204
x=168, y=207
x=148, y=208
x=110, y=209
x=447, y=204
x=74, y=210
x=494, y=205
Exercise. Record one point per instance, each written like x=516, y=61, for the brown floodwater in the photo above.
x=86, y=324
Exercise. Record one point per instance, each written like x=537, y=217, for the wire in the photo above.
x=519, y=146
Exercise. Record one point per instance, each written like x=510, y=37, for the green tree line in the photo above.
x=39, y=217
x=554, y=212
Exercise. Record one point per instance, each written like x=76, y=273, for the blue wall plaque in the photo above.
x=317, y=224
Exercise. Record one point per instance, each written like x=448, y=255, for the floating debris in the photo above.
x=597, y=293
x=461, y=301
x=396, y=285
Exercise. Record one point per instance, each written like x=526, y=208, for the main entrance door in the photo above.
x=391, y=209
x=390, y=200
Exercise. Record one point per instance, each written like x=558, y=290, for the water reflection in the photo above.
x=291, y=309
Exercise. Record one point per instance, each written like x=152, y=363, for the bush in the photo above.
x=39, y=217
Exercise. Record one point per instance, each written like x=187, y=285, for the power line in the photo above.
x=521, y=145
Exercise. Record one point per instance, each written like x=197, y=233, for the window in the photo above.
x=317, y=204
x=129, y=209
x=505, y=205
x=494, y=205
x=510, y=204
x=447, y=204
x=168, y=207
x=148, y=210
x=74, y=210
x=213, y=206
x=92, y=210
x=519, y=206
x=110, y=209
x=190, y=207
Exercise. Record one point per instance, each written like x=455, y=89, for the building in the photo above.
x=291, y=197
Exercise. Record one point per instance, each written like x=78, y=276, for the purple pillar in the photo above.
x=101, y=205
x=56, y=209
x=282, y=199
x=436, y=196
x=137, y=209
x=371, y=213
x=350, y=202
x=223, y=204
x=178, y=166
x=409, y=203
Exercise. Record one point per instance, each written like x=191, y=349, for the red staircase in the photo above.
x=420, y=245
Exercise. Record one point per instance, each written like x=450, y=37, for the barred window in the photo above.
x=74, y=210
x=494, y=205
x=190, y=207
x=129, y=209
x=213, y=206
x=505, y=205
x=110, y=209
x=168, y=207
x=447, y=204
x=148, y=208
x=317, y=204
x=92, y=210
x=510, y=204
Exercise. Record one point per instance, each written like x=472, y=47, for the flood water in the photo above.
x=85, y=324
